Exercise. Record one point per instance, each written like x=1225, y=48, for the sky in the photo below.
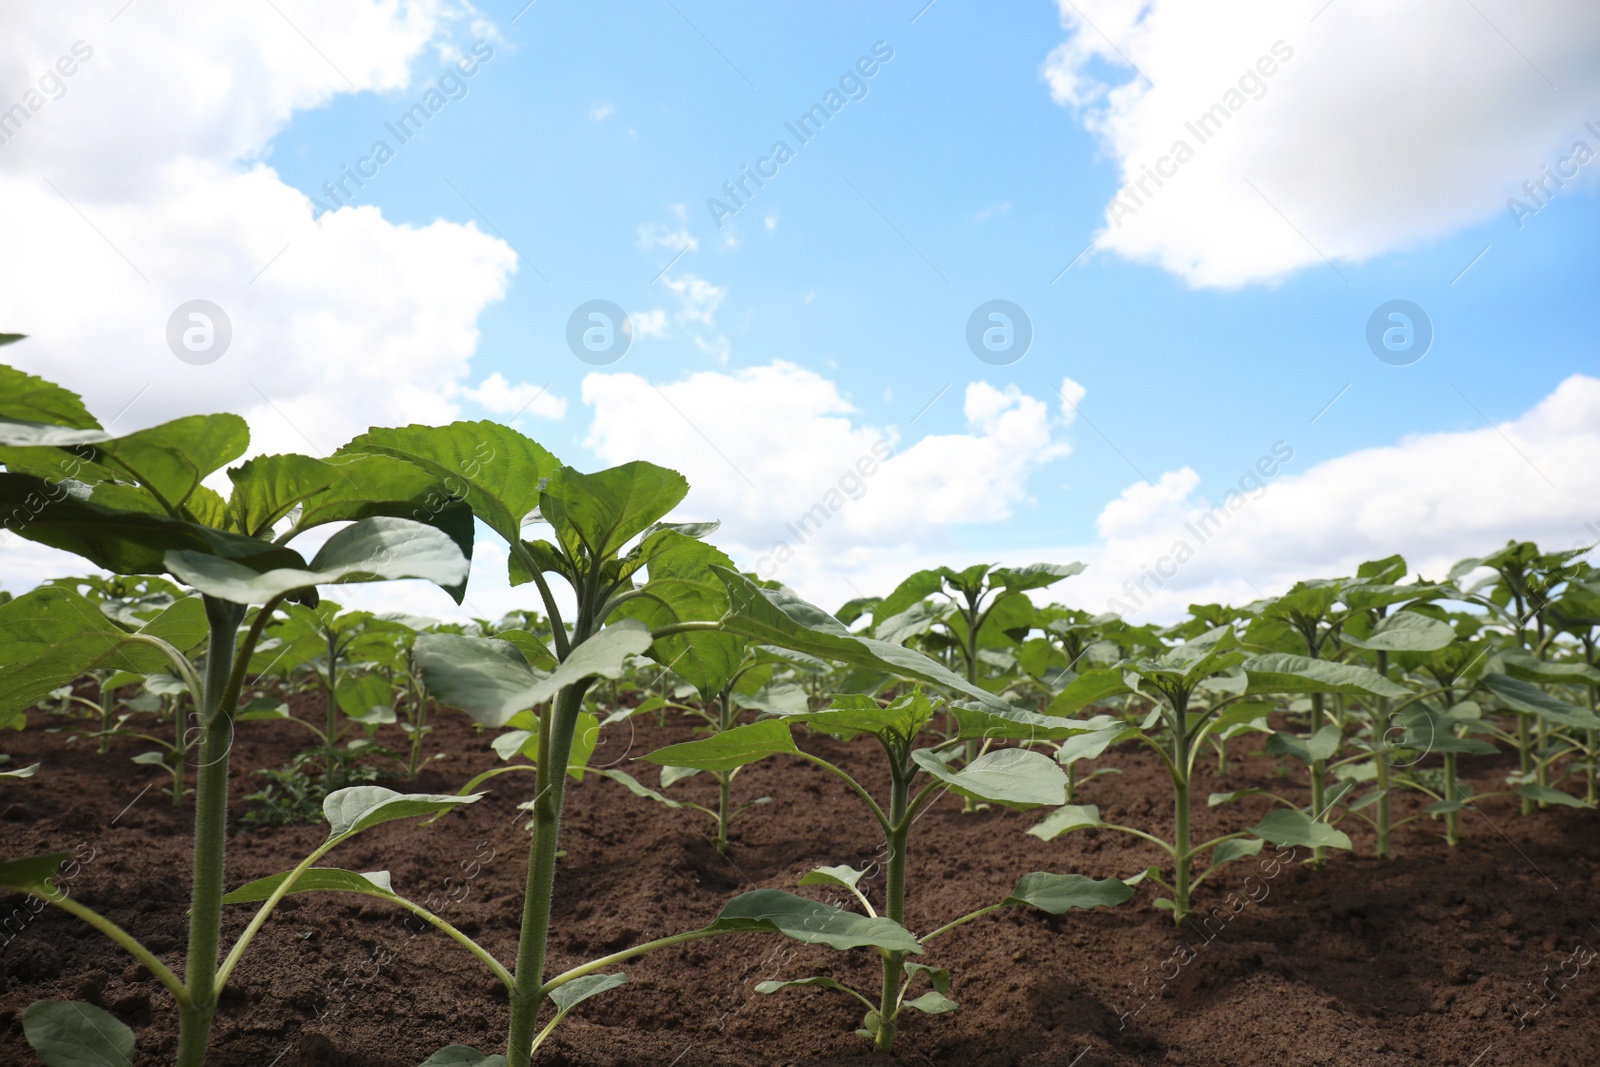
x=1211, y=298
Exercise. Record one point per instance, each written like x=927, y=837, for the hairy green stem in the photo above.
x=526, y=996
x=210, y=835
x=1181, y=851
x=1380, y=741
x=899, y=831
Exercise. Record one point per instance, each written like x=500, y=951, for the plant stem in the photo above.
x=1524, y=756
x=210, y=835
x=724, y=778
x=1451, y=793
x=551, y=784
x=180, y=752
x=1181, y=852
x=1319, y=784
x=899, y=830
x=1380, y=734
x=331, y=684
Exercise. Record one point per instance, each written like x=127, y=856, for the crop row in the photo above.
x=211, y=618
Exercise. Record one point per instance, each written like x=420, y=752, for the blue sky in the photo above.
x=577, y=163
x=959, y=145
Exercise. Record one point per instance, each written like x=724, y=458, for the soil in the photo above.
x=1430, y=958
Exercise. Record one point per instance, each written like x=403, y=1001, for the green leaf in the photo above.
x=32, y=874
x=495, y=469
x=843, y=876
x=124, y=542
x=1065, y=819
x=636, y=787
x=1093, y=743
x=1531, y=700
x=820, y=981
x=25, y=398
x=1320, y=746
x=729, y=749
x=267, y=488
x=1238, y=848
x=490, y=680
x=1546, y=795
x=603, y=511
x=1033, y=576
x=1280, y=672
x=170, y=460
x=1227, y=798
x=1404, y=631
x=361, y=807
x=1061, y=893
x=683, y=588
x=1286, y=826
x=463, y=1056
x=357, y=694
x=812, y=922
x=571, y=994
x=778, y=617
x=914, y=588
x=936, y=975
x=932, y=1003
x=376, y=549
x=1014, y=777
x=314, y=880
x=1088, y=688
x=854, y=715
x=54, y=634
x=69, y=1033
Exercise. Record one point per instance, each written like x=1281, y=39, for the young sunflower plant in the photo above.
x=136, y=504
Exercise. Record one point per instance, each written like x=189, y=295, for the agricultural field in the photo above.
x=670, y=812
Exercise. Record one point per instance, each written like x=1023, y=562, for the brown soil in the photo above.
x=1427, y=959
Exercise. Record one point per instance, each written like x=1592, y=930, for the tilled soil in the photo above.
x=1435, y=957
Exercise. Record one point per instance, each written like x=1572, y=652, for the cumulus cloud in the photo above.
x=502, y=398
x=781, y=456
x=336, y=325
x=1319, y=118
x=1435, y=498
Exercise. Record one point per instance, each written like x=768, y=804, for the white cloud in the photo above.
x=1364, y=140
x=112, y=224
x=774, y=449
x=502, y=398
x=698, y=299
x=601, y=112
x=649, y=323
x=771, y=222
x=658, y=235
x=1435, y=498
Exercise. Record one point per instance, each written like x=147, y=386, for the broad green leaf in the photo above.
x=1320, y=746
x=854, y=715
x=1033, y=576
x=357, y=694
x=314, y=880
x=1285, y=826
x=495, y=469
x=21, y=772
x=533, y=649
x=484, y=676
x=361, y=807
x=1089, y=688
x=936, y=975
x=571, y=994
x=682, y=587
x=1404, y=631
x=1527, y=668
x=777, y=617
x=1061, y=893
x=52, y=635
x=820, y=981
x=915, y=621
x=1093, y=743
x=1014, y=777
x=843, y=876
x=1238, y=848
x=932, y=1003
x=25, y=398
x=1280, y=672
x=1215, y=799
x=267, y=488
x=69, y=1033
x=170, y=460
x=1531, y=700
x=1546, y=795
x=812, y=922
x=603, y=511
x=376, y=549
x=1065, y=819
x=32, y=874
x=636, y=787
x=124, y=542
x=916, y=587
x=729, y=749
x=463, y=1056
